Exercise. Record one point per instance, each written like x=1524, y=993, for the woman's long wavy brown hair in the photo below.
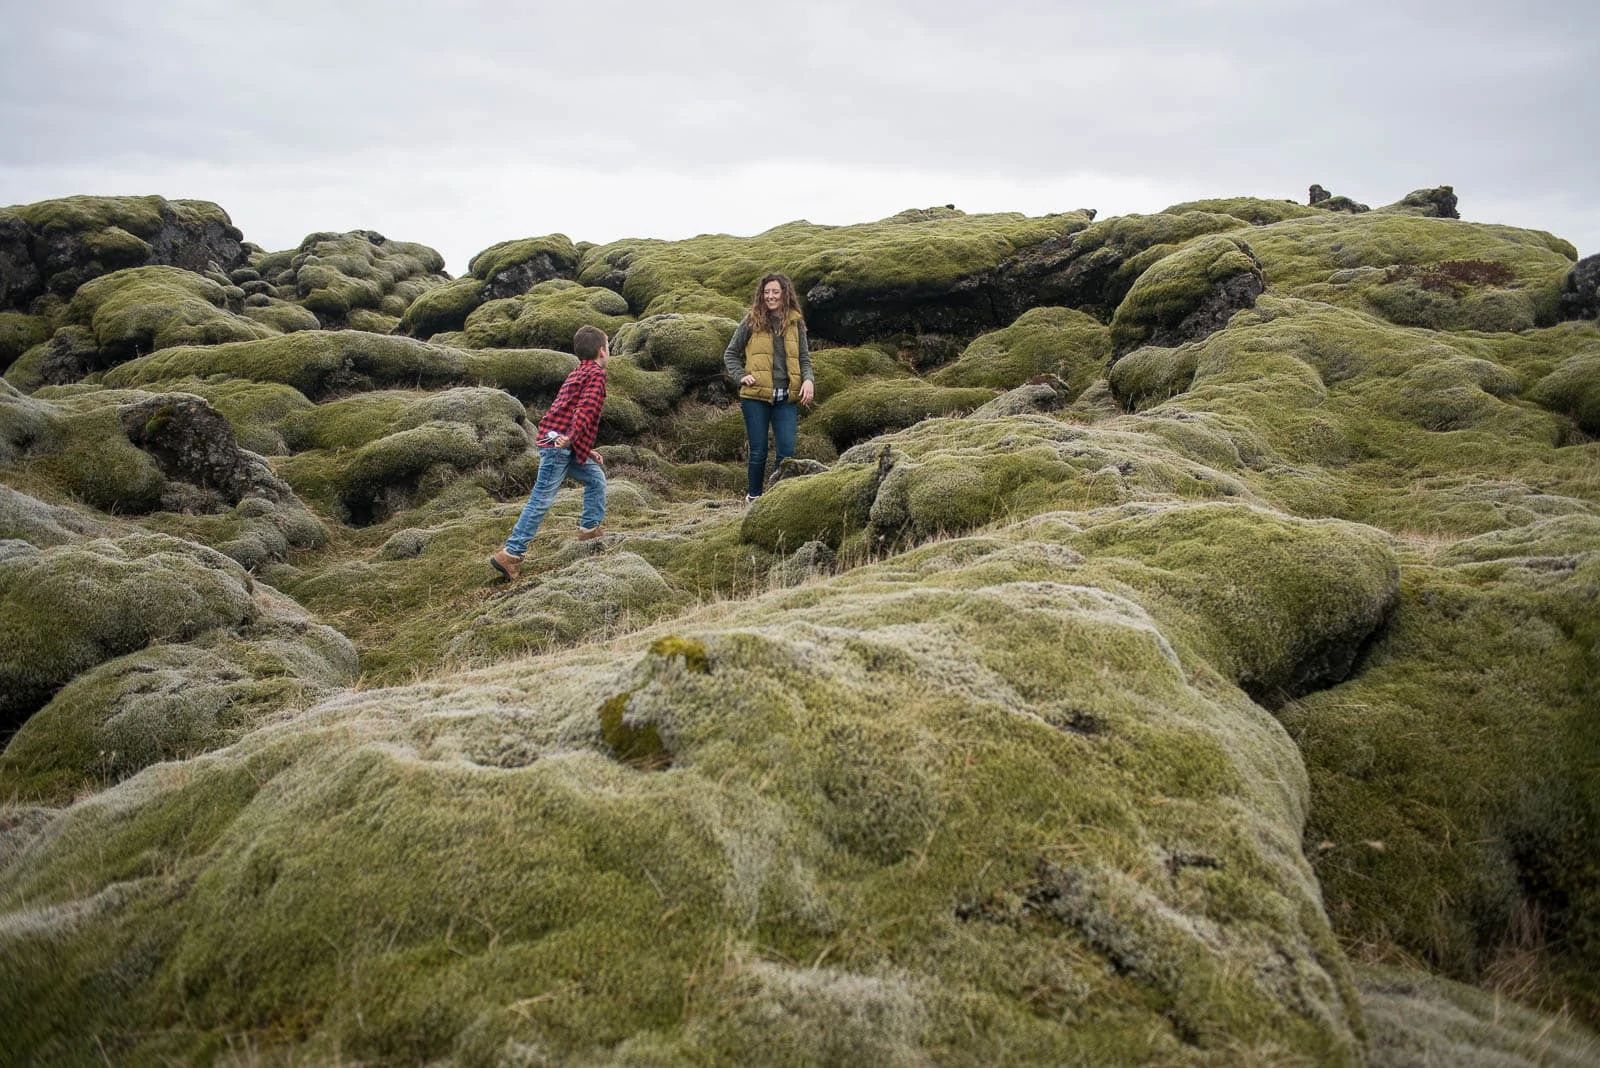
x=757, y=315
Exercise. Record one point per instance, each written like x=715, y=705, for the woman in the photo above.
x=768, y=355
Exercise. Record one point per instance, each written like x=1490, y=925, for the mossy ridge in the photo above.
x=74, y=239
x=856, y=752
x=315, y=362
x=1279, y=605
x=1457, y=769
x=894, y=255
x=1305, y=257
x=1253, y=210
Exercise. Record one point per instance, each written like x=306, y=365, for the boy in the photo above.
x=566, y=440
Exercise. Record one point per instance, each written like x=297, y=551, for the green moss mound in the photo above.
x=1415, y=1018
x=545, y=317
x=1059, y=341
x=71, y=607
x=336, y=274
x=1573, y=389
x=825, y=507
x=584, y=600
x=442, y=308
x=870, y=408
x=19, y=333
x=139, y=310
x=1473, y=723
x=691, y=344
x=371, y=455
x=1188, y=294
x=173, y=701
x=1443, y=274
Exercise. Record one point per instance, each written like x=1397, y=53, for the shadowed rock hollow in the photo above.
x=1174, y=643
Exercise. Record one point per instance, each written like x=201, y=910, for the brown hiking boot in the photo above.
x=591, y=533
x=508, y=565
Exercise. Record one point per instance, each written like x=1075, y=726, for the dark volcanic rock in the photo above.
x=194, y=444
x=56, y=245
x=1436, y=203
x=1580, y=291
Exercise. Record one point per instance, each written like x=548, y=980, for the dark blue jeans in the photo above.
x=759, y=417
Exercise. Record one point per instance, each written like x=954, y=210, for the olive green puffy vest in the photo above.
x=758, y=358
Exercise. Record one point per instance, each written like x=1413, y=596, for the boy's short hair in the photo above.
x=588, y=342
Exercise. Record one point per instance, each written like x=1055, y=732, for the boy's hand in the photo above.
x=597, y=458
x=563, y=441
x=807, y=391
x=748, y=380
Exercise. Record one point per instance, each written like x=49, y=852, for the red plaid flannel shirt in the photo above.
x=575, y=413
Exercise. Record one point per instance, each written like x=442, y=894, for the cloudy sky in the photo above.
x=460, y=123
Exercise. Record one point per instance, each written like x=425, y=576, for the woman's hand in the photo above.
x=748, y=380
x=807, y=391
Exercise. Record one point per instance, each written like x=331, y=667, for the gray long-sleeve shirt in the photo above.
x=733, y=356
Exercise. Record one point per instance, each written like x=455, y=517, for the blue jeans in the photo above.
x=554, y=466
x=759, y=416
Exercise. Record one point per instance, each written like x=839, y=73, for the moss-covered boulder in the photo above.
x=19, y=333
x=1189, y=294
x=1573, y=388
x=136, y=311
x=54, y=246
x=511, y=268
x=442, y=308
x=336, y=274
x=825, y=507
x=545, y=317
x=691, y=345
x=872, y=407
x=70, y=607
x=1068, y=344
x=172, y=701
x=371, y=455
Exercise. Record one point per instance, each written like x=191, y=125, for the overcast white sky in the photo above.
x=460, y=124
